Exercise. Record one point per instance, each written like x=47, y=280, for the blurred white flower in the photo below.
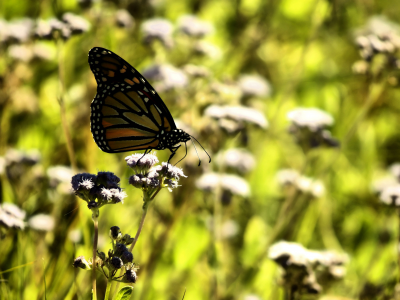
x=305, y=184
x=196, y=71
x=310, y=185
x=208, y=49
x=237, y=113
x=193, y=26
x=229, y=229
x=251, y=297
x=287, y=176
x=232, y=183
x=167, y=77
x=160, y=29
x=2, y=165
x=238, y=159
x=391, y=195
x=380, y=184
x=288, y=253
x=124, y=19
x=11, y=216
x=313, y=118
x=42, y=222
x=395, y=170
x=254, y=85
x=75, y=235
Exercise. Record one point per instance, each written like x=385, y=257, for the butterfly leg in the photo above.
x=145, y=152
x=173, y=152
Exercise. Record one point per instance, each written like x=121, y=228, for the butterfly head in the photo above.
x=175, y=136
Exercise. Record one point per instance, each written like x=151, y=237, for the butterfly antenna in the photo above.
x=196, y=151
x=184, y=156
x=202, y=148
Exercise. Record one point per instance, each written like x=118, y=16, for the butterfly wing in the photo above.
x=126, y=114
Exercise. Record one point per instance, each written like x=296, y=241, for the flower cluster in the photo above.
x=22, y=30
x=98, y=190
x=378, y=42
x=24, y=170
x=240, y=160
x=117, y=257
x=308, y=270
x=158, y=29
x=194, y=27
x=70, y=24
x=151, y=177
x=166, y=76
x=309, y=128
x=124, y=19
x=307, y=185
x=231, y=118
x=11, y=216
x=230, y=185
x=254, y=86
x=388, y=188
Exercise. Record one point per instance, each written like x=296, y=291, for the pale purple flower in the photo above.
x=167, y=77
x=160, y=29
x=193, y=26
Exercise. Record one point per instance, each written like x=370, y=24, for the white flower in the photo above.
x=168, y=77
x=254, y=85
x=313, y=118
x=193, y=26
x=239, y=159
x=235, y=184
x=237, y=113
x=287, y=176
x=42, y=222
x=391, y=195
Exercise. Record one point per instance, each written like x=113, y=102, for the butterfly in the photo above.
x=127, y=114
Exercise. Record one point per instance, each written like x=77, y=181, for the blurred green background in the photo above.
x=211, y=240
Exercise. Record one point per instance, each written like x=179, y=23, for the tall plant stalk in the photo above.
x=95, y=216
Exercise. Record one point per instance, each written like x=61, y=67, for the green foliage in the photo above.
x=125, y=293
x=212, y=241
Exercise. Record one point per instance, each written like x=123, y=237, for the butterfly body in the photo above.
x=127, y=114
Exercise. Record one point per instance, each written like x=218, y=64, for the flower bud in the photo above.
x=116, y=262
x=102, y=255
x=119, y=249
x=129, y=277
x=127, y=239
x=127, y=257
x=81, y=262
x=115, y=233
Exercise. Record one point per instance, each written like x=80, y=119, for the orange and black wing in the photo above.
x=126, y=114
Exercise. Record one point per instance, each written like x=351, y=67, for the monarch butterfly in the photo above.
x=127, y=114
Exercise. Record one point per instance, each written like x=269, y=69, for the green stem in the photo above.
x=108, y=290
x=145, y=206
x=95, y=216
x=146, y=199
x=398, y=243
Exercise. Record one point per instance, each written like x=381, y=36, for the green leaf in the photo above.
x=124, y=293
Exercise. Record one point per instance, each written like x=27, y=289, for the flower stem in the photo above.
x=95, y=216
x=108, y=290
x=398, y=244
x=145, y=206
x=146, y=198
